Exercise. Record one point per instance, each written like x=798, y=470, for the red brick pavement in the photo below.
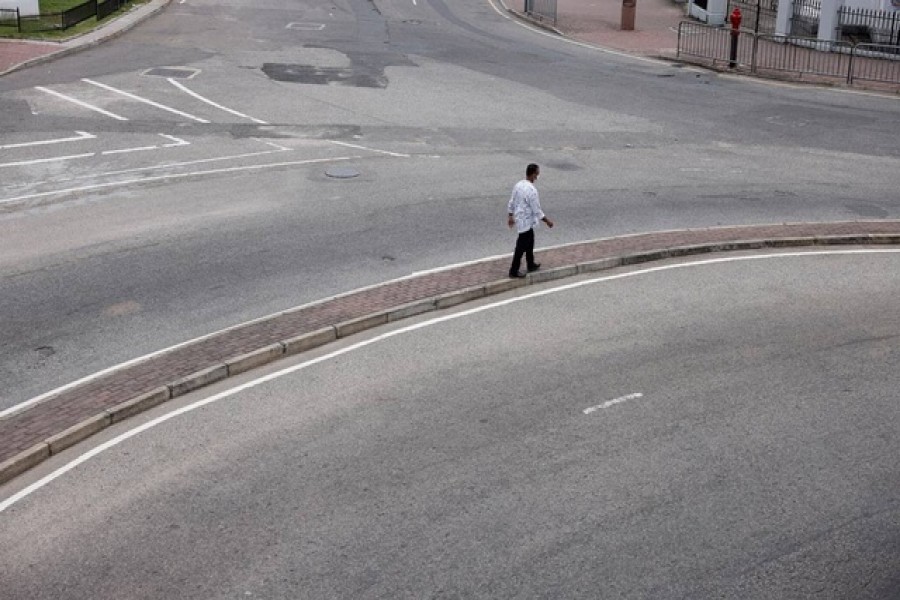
x=15, y=52
x=24, y=430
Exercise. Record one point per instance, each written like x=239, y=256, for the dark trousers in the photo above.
x=524, y=245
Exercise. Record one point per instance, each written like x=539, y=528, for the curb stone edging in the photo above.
x=56, y=443
x=114, y=30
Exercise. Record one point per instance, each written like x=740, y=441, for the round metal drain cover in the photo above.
x=342, y=172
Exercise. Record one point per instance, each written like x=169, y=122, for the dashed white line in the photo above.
x=211, y=103
x=613, y=402
x=110, y=184
x=144, y=100
x=24, y=163
x=82, y=135
x=81, y=103
x=128, y=150
x=273, y=144
x=164, y=166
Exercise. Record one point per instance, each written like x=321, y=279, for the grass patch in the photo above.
x=8, y=29
x=52, y=6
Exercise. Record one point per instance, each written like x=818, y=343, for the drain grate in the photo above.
x=173, y=72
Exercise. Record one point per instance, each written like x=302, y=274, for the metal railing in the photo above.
x=104, y=9
x=802, y=56
x=870, y=26
x=875, y=62
x=762, y=53
x=9, y=17
x=713, y=43
x=542, y=9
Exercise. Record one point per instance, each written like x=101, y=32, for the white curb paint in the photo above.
x=5, y=504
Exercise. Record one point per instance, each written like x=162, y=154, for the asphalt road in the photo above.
x=140, y=208
x=725, y=430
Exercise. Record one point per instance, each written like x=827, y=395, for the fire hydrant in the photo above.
x=735, y=19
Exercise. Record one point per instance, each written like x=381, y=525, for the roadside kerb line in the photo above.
x=822, y=234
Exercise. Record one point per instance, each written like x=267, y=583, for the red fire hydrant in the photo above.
x=735, y=19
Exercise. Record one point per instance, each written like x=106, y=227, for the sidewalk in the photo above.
x=17, y=54
x=33, y=434
x=598, y=22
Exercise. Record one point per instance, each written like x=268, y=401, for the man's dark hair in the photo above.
x=531, y=170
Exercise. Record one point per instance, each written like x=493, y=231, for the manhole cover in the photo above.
x=173, y=72
x=342, y=172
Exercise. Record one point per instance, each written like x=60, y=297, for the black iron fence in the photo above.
x=801, y=56
x=868, y=26
x=59, y=21
x=9, y=17
x=545, y=10
x=104, y=9
x=805, y=18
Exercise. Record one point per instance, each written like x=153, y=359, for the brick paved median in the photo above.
x=30, y=436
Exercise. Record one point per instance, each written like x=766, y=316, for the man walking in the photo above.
x=524, y=209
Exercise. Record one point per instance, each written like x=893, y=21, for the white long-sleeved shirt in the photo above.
x=525, y=206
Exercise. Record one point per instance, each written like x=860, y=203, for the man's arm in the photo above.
x=536, y=208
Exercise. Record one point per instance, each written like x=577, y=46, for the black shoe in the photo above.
x=516, y=275
x=534, y=267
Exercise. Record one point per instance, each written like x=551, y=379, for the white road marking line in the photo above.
x=273, y=144
x=144, y=100
x=164, y=166
x=387, y=335
x=613, y=402
x=35, y=161
x=82, y=135
x=175, y=141
x=397, y=154
x=211, y=103
x=128, y=150
x=80, y=103
x=306, y=26
x=100, y=186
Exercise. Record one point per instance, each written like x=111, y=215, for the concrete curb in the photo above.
x=269, y=353
x=117, y=27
